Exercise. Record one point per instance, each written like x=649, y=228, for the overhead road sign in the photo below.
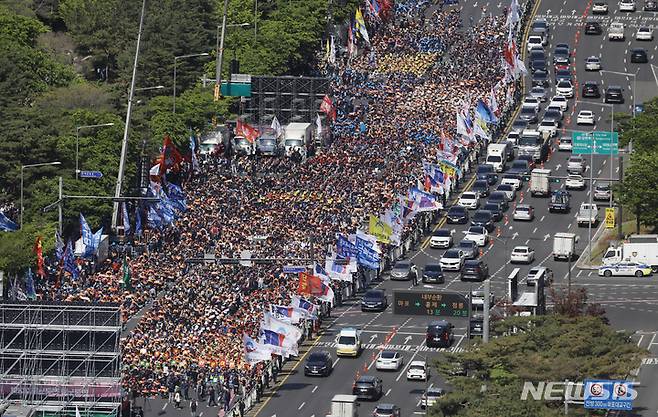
x=91, y=174
x=598, y=143
x=236, y=89
x=609, y=394
x=430, y=303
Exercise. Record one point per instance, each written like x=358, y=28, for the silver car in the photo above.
x=524, y=212
x=575, y=164
x=593, y=63
x=404, y=271
x=602, y=191
x=538, y=92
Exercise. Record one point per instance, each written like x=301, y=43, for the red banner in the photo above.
x=247, y=131
x=38, y=249
x=310, y=285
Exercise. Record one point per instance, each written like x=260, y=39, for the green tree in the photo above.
x=638, y=191
x=17, y=248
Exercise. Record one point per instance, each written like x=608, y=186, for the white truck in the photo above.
x=298, y=137
x=539, y=184
x=343, y=405
x=638, y=248
x=588, y=214
x=497, y=156
x=564, y=246
x=616, y=31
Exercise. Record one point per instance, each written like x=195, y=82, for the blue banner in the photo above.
x=7, y=225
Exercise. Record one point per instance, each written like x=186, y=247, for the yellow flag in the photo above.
x=380, y=229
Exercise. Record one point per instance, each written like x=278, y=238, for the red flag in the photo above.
x=328, y=108
x=38, y=249
x=247, y=131
x=311, y=285
x=170, y=156
x=428, y=184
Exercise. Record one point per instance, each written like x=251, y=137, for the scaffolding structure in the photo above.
x=55, y=357
x=290, y=99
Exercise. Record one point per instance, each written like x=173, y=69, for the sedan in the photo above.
x=524, y=212
x=560, y=101
x=599, y=7
x=575, y=182
x=614, y=94
x=386, y=410
x=470, y=200
x=374, y=300
x=529, y=114
x=644, y=34
x=452, y=260
x=418, y=371
x=627, y=5
x=565, y=88
x=563, y=75
x=389, y=360
x=477, y=234
x=432, y=274
x=650, y=6
x=431, y=396
x=639, y=56
x=538, y=93
x=509, y=191
x=522, y=254
x=575, y=164
x=441, y=239
x=593, y=63
x=565, y=144
x=625, y=269
x=532, y=101
x=548, y=128
x=318, y=363
x=585, y=117
x=591, y=90
x=593, y=28
x=457, y=214
x=469, y=248
x=404, y=271
x=602, y=192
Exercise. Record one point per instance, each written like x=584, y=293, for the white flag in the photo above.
x=318, y=125
x=254, y=351
x=513, y=14
x=270, y=322
x=332, y=51
x=276, y=126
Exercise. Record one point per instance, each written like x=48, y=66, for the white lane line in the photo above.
x=387, y=392
x=165, y=406
x=301, y=405
x=315, y=388
x=335, y=362
x=640, y=341
x=534, y=231
x=542, y=218
x=579, y=272
x=404, y=370
x=651, y=342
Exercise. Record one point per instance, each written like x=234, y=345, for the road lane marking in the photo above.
x=387, y=392
x=640, y=340
x=315, y=388
x=301, y=405
x=404, y=370
x=335, y=362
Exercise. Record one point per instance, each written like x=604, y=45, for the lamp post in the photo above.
x=176, y=58
x=23, y=167
x=77, y=143
x=157, y=87
x=220, y=50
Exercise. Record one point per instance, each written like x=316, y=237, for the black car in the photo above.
x=639, y=56
x=614, y=94
x=432, y=274
x=374, y=300
x=538, y=64
x=499, y=197
x=540, y=78
x=469, y=248
x=486, y=172
x=529, y=114
x=650, y=6
x=318, y=363
x=591, y=89
x=537, y=55
x=457, y=214
x=483, y=218
x=474, y=270
x=519, y=125
x=593, y=28
x=553, y=115
x=495, y=209
x=561, y=56
x=439, y=334
x=520, y=167
x=563, y=75
x=367, y=388
x=481, y=187
x=559, y=202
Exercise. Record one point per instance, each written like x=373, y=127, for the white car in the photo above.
x=477, y=234
x=565, y=144
x=644, y=34
x=522, y=254
x=585, y=117
x=593, y=63
x=389, y=360
x=627, y=6
x=509, y=190
x=548, y=128
x=535, y=41
x=511, y=179
x=431, y=396
x=574, y=182
x=560, y=101
x=441, y=239
x=529, y=101
x=564, y=88
x=599, y=7
x=418, y=370
x=616, y=31
x=452, y=260
x=470, y=200
x=524, y=212
x=625, y=269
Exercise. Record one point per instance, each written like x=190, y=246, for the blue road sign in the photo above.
x=609, y=394
x=91, y=174
x=293, y=269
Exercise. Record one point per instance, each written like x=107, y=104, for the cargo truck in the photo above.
x=298, y=137
x=564, y=246
x=539, y=184
x=588, y=214
x=638, y=248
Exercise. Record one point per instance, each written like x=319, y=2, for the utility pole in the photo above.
x=220, y=55
x=485, y=323
x=126, y=130
x=620, y=233
x=569, y=275
x=60, y=202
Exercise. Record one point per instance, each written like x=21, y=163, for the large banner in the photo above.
x=380, y=229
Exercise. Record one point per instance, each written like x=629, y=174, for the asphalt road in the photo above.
x=631, y=303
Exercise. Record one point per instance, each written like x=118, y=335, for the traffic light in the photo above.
x=554, y=180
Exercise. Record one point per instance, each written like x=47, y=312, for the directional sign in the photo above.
x=610, y=217
x=430, y=303
x=91, y=174
x=293, y=269
x=610, y=395
x=599, y=143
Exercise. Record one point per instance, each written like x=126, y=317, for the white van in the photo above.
x=348, y=342
x=497, y=156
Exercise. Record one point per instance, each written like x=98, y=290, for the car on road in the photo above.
x=536, y=273
x=348, y=342
x=496, y=211
x=560, y=202
x=509, y=191
x=319, y=364
x=470, y=200
x=538, y=93
x=474, y=270
x=433, y=274
x=615, y=31
x=487, y=172
x=418, y=371
x=484, y=218
x=404, y=271
x=457, y=214
x=519, y=125
x=529, y=114
x=565, y=88
x=477, y=300
x=644, y=33
x=540, y=78
x=548, y=127
x=477, y=234
x=519, y=167
x=500, y=197
x=452, y=260
x=591, y=90
x=512, y=179
x=585, y=117
x=374, y=300
x=561, y=56
x=559, y=101
x=650, y=6
x=614, y=94
x=367, y=387
x=625, y=269
x=593, y=28
x=600, y=7
x=529, y=158
x=574, y=182
x=602, y=191
x=532, y=101
x=575, y=164
x=538, y=64
x=626, y=5
x=481, y=187
x=439, y=334
x=468, y=248
x=431, y=396
x=563, y=75
x=513, y=137
x=386, y=410
x=441, y=239
x=540, y=27
x=555, y=114
x=593, y=63
x=522, y=254
x=639, y=56
x=389, y=360
x=565, y=144
x=535, y=41
x=524, y=212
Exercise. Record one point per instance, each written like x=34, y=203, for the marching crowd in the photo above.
x=394, y=104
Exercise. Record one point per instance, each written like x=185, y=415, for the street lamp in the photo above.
x=22, y=181
x=77, y=142
x=220, y=49
x=176, y=58
x=157, y=87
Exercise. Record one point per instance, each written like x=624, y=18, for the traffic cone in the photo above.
x=506, y=220
x=365, y=367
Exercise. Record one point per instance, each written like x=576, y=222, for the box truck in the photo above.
x=298, y=137
x=564, y=246
x=638, y=248
x=539, y=184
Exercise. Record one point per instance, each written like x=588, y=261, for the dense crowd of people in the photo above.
x=395, y=102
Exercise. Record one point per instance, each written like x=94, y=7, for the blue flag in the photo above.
x=345, y=248
x=85, y=231
x=485, y=112
x=154, y=219
x=126, y=219
x=7, y=225
x=367, y=255
x=91, y=249
x=59, y=247
x=69, y=261
x=29, y=285
x=176, y=197
x=138, y=222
